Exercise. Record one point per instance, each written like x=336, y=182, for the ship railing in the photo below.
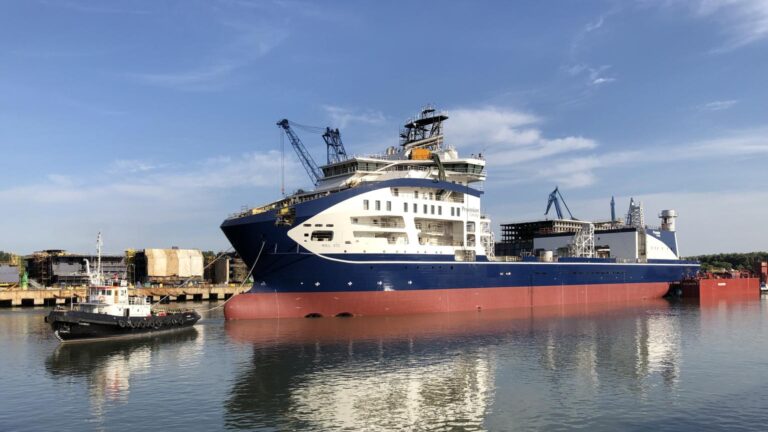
x=378, y=224
x=388, y=225
x=507, y=258
x=388, y=157
x=433, y=241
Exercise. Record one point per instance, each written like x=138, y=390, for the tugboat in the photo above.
x=110, y=312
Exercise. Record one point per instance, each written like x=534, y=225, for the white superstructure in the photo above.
x=111, y=299
x=434, y=212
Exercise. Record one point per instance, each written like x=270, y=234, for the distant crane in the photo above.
x=553, y=199
x=332, y=138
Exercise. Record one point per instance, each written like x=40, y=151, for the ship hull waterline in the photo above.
x=264, y=305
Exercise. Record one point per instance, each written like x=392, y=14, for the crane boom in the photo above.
x=304, y=157
x=553, y=199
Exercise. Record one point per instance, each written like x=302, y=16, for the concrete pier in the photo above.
x=60, y=296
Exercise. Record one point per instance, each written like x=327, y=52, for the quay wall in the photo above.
x=60, y=296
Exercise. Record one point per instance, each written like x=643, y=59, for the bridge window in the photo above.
x=322, y=236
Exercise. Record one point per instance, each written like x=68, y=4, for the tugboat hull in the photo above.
x=74, y=325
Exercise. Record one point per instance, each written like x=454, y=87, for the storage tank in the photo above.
x=196, y=266
x=546, y=256
x=184, y=263
x=172, y=256
x=157, y=262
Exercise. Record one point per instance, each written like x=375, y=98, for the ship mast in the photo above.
x=424, y=130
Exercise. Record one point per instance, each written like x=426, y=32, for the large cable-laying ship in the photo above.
x=403, y=232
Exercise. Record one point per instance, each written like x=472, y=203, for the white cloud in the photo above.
x=601, y=80
x=540, y=150
x=245, y=44
x=491, y=125
x=514, y=139
x=187, y=79
x=718, y=105
x=594, y=76
x=342, y=117
x=592, y=26
x=173, y=204
x=132, y=166
x=743, y=143
x=571, y=161
x=574, y=173
x=742, y=22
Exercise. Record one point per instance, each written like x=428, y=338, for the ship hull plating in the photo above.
x=256, y=305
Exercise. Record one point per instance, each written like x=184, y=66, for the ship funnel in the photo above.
x=668, y=220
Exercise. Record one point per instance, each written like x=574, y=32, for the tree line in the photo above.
x=728, y=261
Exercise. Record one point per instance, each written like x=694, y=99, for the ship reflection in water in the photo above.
x=449, y=371
x=108, y=367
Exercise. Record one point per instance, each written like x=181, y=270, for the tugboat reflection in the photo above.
x=436, y=371
x=107, y=366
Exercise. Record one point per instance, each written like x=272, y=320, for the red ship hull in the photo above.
x=297, y=305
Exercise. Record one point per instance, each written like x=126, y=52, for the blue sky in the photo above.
x=153, y=120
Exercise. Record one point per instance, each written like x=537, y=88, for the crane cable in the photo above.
x=306, y=128
x=244, y=280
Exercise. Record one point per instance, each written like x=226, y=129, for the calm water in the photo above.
x=653, y=367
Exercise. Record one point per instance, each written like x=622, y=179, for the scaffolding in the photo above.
x=583, y=244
